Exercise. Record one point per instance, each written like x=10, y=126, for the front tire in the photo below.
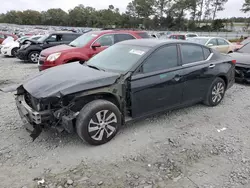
x=98, y=122
x=14, y=52
x=216, y=92
x=33, y=57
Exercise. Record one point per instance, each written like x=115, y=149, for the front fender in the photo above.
x=73, y=56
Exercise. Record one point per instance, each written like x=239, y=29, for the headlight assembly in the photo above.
x=53, y=57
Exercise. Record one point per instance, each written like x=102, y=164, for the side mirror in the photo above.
x=96, y=45
x=210, y=45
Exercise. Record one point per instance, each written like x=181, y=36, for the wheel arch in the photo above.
x=83, y=100
x=224, y=78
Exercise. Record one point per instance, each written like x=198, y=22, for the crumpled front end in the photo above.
x=242, y=74
x=38, y=114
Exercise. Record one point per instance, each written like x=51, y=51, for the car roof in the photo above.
x=152, y=42
x=64, y=32
x=115, y=31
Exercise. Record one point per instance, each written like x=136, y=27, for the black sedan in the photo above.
x=242, y=67
x=129, y=80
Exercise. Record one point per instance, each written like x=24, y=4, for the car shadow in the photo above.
x=52, y=137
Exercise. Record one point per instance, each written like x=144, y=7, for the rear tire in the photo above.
x=216, y=92
x=33, y=57
x=98, y=122
x=14, y=52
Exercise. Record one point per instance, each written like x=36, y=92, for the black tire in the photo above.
x=100, y=131
x=14, y=52
x=33, y=57
x=216, y=92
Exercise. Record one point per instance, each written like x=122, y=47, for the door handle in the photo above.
x=177, y=78
x=211, y=66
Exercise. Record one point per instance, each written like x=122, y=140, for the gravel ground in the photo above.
x=195, y=147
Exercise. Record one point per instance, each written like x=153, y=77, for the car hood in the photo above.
x=68, y=79
x=241, y=58
x=55, y=49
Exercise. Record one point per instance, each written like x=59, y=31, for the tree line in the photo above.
x=147, y=14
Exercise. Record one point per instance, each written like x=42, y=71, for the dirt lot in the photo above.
x=198, y=147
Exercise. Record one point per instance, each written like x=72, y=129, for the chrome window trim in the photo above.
x=199, y=62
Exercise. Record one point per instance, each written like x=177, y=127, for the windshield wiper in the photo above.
x=94, y=67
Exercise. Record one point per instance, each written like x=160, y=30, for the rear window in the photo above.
x=144, y=35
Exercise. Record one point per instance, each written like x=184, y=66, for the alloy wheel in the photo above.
x=34, y=57
x=218, y=92
x=102, y=125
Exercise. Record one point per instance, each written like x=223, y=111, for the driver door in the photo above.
x=105, y=41
x=158, y=85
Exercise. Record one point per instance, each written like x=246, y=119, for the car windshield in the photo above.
x=245, y=49
x=202, y=41
x=43, y=38
x=83, y=39
x=113, y=59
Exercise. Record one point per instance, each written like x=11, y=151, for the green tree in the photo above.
x=217, y=24
x=218, y=5
x=246, y=6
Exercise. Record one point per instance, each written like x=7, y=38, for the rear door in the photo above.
x=69, y=37
x=197, y=71
x=223, y=45
x=157, y=85
x=105, y=41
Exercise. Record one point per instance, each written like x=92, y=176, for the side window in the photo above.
x=181, y=37
x=213, y=42
x=222, y=42
x=122, y=37
x=69, y=37
x=106, y=40
x=207, y=52
x=52, y=38
x=164, y=58
x=191, y=54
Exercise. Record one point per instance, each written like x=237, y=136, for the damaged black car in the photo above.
x=242, y=67
x=129, y=80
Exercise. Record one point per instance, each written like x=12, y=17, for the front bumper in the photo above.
x=6, y=51
x=32, y=119
x=21, y=54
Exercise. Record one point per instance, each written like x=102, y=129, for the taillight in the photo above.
x=234, y=61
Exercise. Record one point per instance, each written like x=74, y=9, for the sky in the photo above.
x=232, y=8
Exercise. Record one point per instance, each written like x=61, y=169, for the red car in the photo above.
x=3, y=36
x=85, y=47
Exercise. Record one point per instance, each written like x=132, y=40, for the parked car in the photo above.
x=30, y=51
x=242, y=43
x=218, y=43
x=242, y=67
x=3, y=36
x=130, y=80
x=10, y=49
x=177, y=36
x=182, y=36
x=86, y=46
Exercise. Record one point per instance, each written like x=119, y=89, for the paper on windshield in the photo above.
x=137, y=52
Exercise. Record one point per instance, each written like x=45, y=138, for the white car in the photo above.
x=10, y=48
